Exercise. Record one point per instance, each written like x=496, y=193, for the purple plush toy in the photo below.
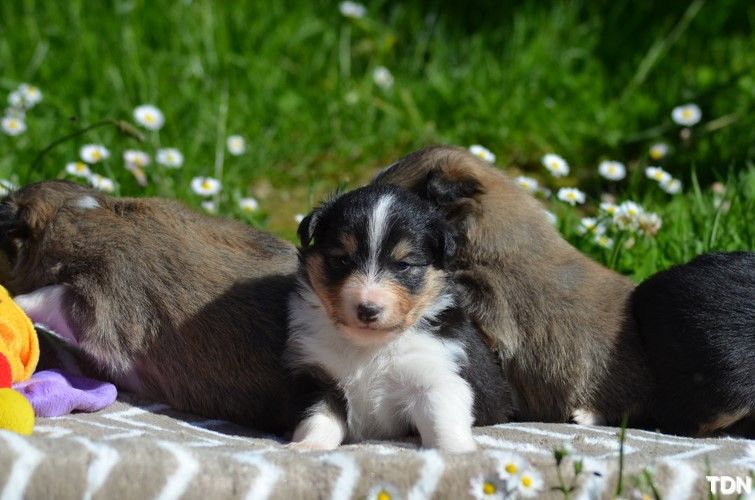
x=53, y=393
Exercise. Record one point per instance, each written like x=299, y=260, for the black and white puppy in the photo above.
x=697, y=321
x=375, y=320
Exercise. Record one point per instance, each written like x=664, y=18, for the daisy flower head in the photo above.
x=590, y=225
x=686, y=114
x=383, y=492
x=527, y=183
x=30, y=94
x=209, y=206
x=482, y=153
x=627, y=215
x=205, y=186
x=529, y=483
x=658, y=151
x=612, y=170
x=353, y=10
x=510, y=466
x=609, y=208
x=13, y=125
x=248, y=205
x=135, y=158
x=236, y=145
x=649, y=223
x=6, y=187
x=572, y=196
x=382, y=77
x=556, y=165
x=139, y=175
x=149, y=117
x=603, y=241
x=16, y=100
x=487, y=487
x=102, y=183
x=78, y=169
x=169, y=157
x=94, y=153
x=671, y=186
x=657, y=174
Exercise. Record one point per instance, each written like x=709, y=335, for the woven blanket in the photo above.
x=137, y=449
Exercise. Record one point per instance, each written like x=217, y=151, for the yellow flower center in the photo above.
x=206, y=184
x=687, y=113
x=170, y=157
x=13, y=124
x=658, y=176
x=489, y=488
x=383, y=495
x=612, y=169
x=571, y=196
x=96, y=155
x=527, y=481
x=511, y=468
x=554, y=165
x=149, y=118
x=80, y=167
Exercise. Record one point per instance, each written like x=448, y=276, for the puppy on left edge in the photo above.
x=374, y=320
x=167, y=302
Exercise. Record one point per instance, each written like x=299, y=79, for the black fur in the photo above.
x=697, y=322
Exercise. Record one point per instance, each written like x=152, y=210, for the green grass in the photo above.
x=585, y=80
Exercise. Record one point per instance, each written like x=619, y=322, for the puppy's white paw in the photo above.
x=305, y=446
x=586, y=417
x=458, y=443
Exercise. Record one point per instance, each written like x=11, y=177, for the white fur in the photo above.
x=376, y=228
x=411, y=381
x=582, y=416
x=45, y=306
x=87, y=202
x=321, y=430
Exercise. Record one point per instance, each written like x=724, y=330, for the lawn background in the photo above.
x=586, y=80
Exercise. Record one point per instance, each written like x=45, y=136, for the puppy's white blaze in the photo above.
x=45, y=306
x=321, y=430
x=87, y=202
x=376, y=228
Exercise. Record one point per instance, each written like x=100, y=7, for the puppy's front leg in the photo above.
x=45, y=306
x=445, y=415
x=324, y=428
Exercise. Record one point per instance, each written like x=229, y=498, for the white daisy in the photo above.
x=6, y=187
x=687, y=114
x=648, y=223
x=13, y=125
x=612, y=170
x=551, y=217
x=671, y=186
x=603, y=241
x=236, y=145
x=510, y=466
x=383, y=492
x=482, y=152
x=657, y=174
x=31, y=95
x=298, y=218
x=529, y=483
x=590, y=225
x=658, y=151
x=78, y=169
x=102, y=183
x=16, y=100
x=248, y=205
x=139, y=175
x=205, y=186
x=170, y=157
x=93, y=153
x=627, y=215
x=527, y=183
x=609, y=208
x=487, y=487
x=572, y=196
x=556, y=165
x=352, y=9
x=382, y=77
x=135, y=158
x=210, y=206
x=149, y=116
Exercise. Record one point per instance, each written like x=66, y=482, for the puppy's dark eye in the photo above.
x=339, y=260
x=404, y=266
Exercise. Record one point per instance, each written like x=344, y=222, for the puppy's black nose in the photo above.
x=368, y=311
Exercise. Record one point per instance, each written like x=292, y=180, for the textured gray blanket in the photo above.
x=137, y=449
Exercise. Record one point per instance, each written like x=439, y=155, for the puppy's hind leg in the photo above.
x=46, y=307
x=324, y=428
x=444, y=417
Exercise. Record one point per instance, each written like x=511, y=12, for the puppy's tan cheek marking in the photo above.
x=315, y=267
x=350, y=244
x=402, y=249
x=435, y=281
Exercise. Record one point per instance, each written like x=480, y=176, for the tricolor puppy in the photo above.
x=376, y=322
x=697, y=321
x=166, y=302
x=560, y=321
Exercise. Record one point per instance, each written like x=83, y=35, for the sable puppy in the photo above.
x=560, y=321
x=169, y=303
x=375, y=320
x=698, y=324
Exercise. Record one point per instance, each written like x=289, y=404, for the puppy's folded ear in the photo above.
x=306, y=229
x=443, y=190
x=446, y=244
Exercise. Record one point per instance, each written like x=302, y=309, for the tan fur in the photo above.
x=401, y=251
x=196, y=304
x=558, y=319
x=724, y=421
x=350, y=244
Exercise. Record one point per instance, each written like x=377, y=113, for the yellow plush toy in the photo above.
x=19, y=354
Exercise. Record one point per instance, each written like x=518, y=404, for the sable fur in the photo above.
x=697, y=321
x=179, y=306
x=559, y=321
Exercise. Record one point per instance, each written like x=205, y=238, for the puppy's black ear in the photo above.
x=443, y=191
x=307, y=229
x=446, y=244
